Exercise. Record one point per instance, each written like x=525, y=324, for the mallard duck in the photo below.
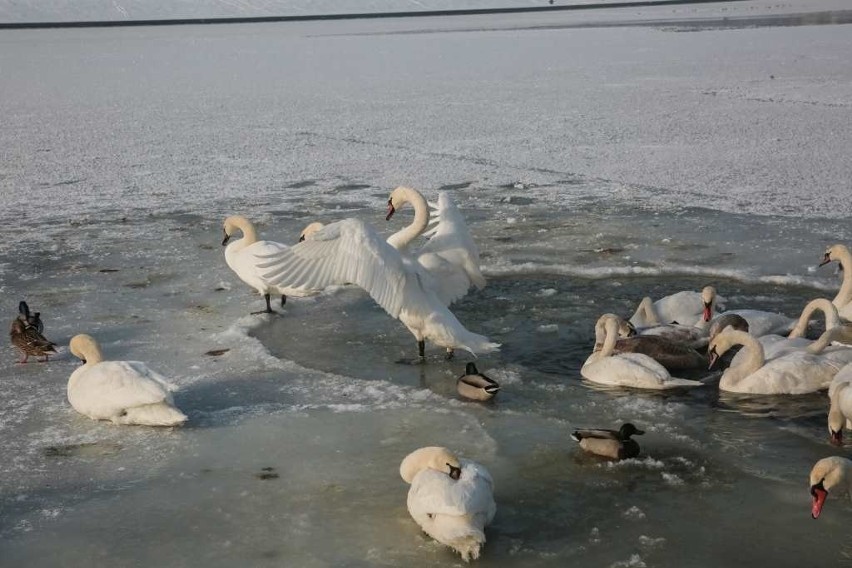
x=29, y=341
x=31, y=320
x=476, y=386
x=613, y=444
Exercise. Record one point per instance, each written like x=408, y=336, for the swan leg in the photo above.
x=421, y=349
x=268, y=309
x=283, y=299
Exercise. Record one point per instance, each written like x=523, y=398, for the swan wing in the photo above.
x=451, y=240
x=114, y=386
x=435, y=493
x=342, y=252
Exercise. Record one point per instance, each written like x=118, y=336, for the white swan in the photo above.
x=694, y=335
x=829, y=474
x=450, y=255
x=762, y=323
x=775, y=345
x=626, y=369
x=840, y=408
x=798, y=372
x=451, y=499
x=240, y=256
x=351, y=251
x=843, y=299
x=125, y=392
x=683, y=308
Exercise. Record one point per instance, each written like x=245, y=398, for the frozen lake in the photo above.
x=595, y=166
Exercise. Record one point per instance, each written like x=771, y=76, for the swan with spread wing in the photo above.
x=352, y=251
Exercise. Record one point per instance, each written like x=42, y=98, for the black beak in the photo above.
x=391, y=210
x=455, y=472
x=301, y=238
x=713, y=357
x=225, y=240
x=825, y=260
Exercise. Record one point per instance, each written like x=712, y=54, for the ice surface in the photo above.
x=633, y=162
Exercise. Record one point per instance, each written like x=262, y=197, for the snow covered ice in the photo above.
x=595, y=165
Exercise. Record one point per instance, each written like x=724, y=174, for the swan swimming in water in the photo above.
x=693, y=335
x=843, y=299
x=351, y=251
x=626, y=369
x=452, y=499
x=682, y=308
x=240, y=256
x=672, y=355
x=125, y=392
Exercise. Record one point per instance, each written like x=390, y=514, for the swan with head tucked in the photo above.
x=240, y=256
x=840, y=407
x=797, y=372
x=626, y=369
x=843, y=299
x=682, y=308
x=125, y=392
x=351, y=251
x=832, y=474
x=452, y=499
x=450, y=255
x=672, y=355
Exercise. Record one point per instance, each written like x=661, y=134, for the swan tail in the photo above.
x=674, y=383
x=459, y=533
x=443, y=329
x=159, y=414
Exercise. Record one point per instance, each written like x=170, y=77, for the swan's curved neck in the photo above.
x=832, y=320
x=401, y=239
x=610, y=330
x=754, y=357
x=646, y=313
x=829, y=335
x=249, y=234
x=844, y=296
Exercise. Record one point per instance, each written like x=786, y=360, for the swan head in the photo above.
x=310, y=230
x=827, y=474
x=611, y=323
x=85, y=348
x=232, y=224
x=398, y=198
x=726, y=321
x=627, y=429
x=833, y=253
x=836, y=421
x=720, y=344
x=708, y=297
x=431, y=457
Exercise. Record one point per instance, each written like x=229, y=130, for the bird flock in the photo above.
x=451, y=498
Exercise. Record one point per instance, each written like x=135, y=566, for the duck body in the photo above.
x=29, y=341
x=453, y=511
x=611, y=444
x=123, y=392
x=474, y=385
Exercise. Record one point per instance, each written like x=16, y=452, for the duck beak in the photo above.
x=638, y=432
x=837, y=437
x=455, y=472
x=391, y=210
x=819, y=494
x=708, y=314
x=225, y=240
x=825, y=260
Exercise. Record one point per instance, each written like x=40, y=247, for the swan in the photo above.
x=125, y=392
x=694, y=336
x=724, y=321
x=351, y=251
x=451, y=499
x=798, y=372
x=832, y=473
x=670, y=354
x=626, y=369
x=764, y=323
x=683, y=307
x=613, y=444
x=240, y=258
x=476, y=386
x=843, y=299
x=840, y=409
x=450, y=255
x=775, y=345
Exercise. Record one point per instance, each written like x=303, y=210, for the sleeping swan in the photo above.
x=451, y=499
x=125, y=392
x=626, y=369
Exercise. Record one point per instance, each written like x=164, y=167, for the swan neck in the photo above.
x=844, y=295
x=820, y=344
x=610, y=338
x=820, y=304
x=249, y=233
x=754, y=357
x=646, y=312
x=401, y=239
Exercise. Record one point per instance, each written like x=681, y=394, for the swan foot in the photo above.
x=268, y=309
